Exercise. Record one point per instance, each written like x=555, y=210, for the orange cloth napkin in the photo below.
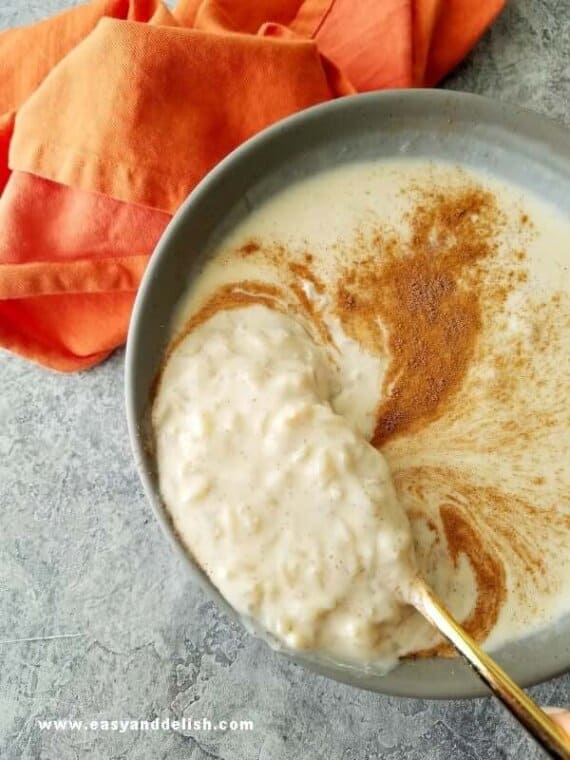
x=111, y=112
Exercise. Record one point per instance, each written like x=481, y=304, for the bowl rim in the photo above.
x=524, y=123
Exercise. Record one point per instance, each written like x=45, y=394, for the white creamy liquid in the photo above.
x=260, y=431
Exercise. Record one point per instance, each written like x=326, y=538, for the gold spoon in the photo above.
x=546, y=732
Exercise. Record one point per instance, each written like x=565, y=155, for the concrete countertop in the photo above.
x=98, y=619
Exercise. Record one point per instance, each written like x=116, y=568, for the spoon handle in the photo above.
x=546, y=732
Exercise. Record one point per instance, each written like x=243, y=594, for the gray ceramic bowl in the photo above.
x=511, y=143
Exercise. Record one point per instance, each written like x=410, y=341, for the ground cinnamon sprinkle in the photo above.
x=417, y=301
x=496, y=531
x=490, y=577
x=302, y=271
x=248, y=248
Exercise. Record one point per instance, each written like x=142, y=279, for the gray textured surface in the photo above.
x=81, y=556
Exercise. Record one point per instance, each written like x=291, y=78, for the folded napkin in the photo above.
x=111, y=112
